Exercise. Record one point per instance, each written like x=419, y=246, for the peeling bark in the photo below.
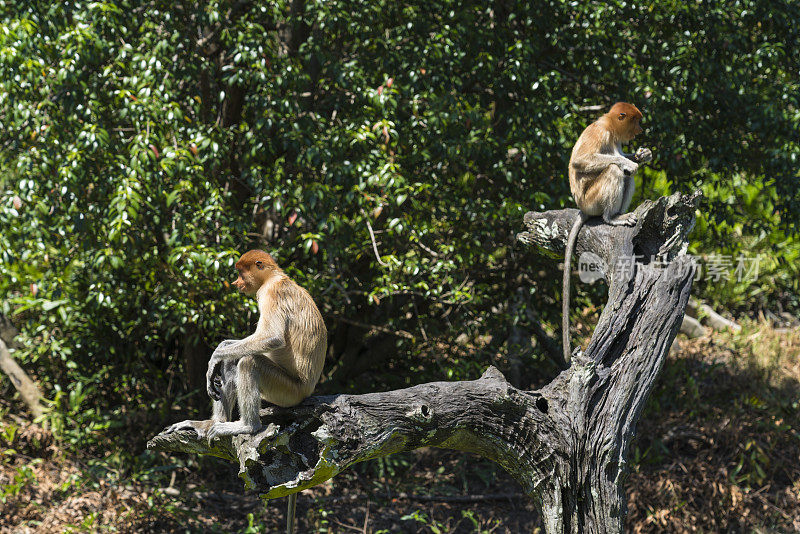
x=566, y=444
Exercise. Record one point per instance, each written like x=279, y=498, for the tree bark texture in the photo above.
x=566, y=444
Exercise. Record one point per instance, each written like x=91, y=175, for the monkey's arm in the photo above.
x=268, y=337
x=257, y=343
x=232, y=349
x=595, y=163
x=642, y=155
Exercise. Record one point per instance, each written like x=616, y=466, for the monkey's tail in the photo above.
x=570, y=248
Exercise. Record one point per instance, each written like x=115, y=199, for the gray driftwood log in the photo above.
x=566, y=444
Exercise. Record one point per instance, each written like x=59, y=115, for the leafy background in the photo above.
x=145, y=145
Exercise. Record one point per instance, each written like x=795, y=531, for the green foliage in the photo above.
x=747, y=235
x=252, y=526
x=478, y=525
x=436, y=527
x=469, y=518
x=144, y=146
x=24, y=475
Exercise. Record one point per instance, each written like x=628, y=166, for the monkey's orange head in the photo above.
x=255, y=267
x=624, y=119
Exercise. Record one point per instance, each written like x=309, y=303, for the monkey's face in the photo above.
x=250, y=279
x=254, y=268
x=637, y=128
x=244, y=282
x=628, y=127
x=632, y=130
x=624, y=119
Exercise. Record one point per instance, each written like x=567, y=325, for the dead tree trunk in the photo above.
x=566, y=444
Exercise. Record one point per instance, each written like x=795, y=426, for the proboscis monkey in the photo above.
x=280, y=362
x=601, y=181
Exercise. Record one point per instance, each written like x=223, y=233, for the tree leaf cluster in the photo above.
x=384, y=153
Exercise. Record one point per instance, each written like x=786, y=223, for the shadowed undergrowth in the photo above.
x=717, y=449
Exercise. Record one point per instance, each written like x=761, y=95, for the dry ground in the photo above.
x=718, y=451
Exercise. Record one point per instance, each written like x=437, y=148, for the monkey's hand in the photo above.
x=627, y=166
x=643, y=155
x=214, y=378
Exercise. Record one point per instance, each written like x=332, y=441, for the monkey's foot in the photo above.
x=201, y=427
x=231, y=428
x=628, y=219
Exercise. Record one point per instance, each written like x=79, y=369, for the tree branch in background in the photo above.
x=27, y=388
x=697, y=310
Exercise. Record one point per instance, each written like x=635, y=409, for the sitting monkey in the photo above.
x=280, y=362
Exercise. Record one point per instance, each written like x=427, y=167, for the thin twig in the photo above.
x=462, y=498
x=429, y=498
x=767, y=503
x=424, y=247
x=385, y=330
x=374, y=245
x=366, y=518
x=340, y=287
x=349, y=527
x=419, y=321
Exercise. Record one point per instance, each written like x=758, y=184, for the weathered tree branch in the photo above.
x=566, y=444
x=696, y=309
x=691, y=327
